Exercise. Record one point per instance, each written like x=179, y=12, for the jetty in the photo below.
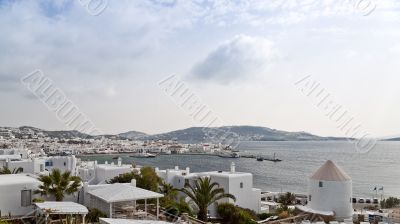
x=261, y=158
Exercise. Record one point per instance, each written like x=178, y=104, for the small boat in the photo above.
x=275, y=159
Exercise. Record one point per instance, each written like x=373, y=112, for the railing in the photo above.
x=184, y=218
x=294, y=218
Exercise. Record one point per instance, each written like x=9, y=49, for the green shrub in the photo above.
x=390, y=202
x=38, y=200
x=264, y=216
x=94, y=215
x=231, y=214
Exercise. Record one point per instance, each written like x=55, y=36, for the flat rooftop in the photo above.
x=113, y=166
x=10, y=179
x=226, y=174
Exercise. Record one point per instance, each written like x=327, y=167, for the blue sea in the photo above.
x=379, y=167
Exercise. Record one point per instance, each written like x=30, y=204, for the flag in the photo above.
x=381, y=189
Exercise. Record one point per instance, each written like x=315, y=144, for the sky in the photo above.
x=241, y=58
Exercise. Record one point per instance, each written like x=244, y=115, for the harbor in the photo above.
x=232, y=155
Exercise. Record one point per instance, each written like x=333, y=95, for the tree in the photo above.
x=231, y=214
x=286, y=200
x=146, y=179
x=58, y=184
x=203, y=193
x=169, y=192
x=390, y=202
x=6, y=170
x=170, y=201
x=176, y=208
x=149, y=179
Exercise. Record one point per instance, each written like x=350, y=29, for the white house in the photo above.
x=17, y=194
x=330, y=191
x=95, y=173
x=14, y=153
x=62, y=163
x=39, y=165
x=33, y=166
x=238, y=184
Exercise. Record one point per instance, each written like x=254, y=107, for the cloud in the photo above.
x=74, y=48
x=240, y=57
x=395, y=49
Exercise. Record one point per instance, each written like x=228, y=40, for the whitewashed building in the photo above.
x=239, y=184
x=17, y=194
x=39, y=165
x=62, y=163
x=32, y=166
x=330, y=191
x=95, y=173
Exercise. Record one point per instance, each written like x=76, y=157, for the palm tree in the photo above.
x=58, y=184
x=168, y=191
x=6, y=170
x=203, y=193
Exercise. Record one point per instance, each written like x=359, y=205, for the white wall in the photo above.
x=104, y=173
x=34, y=166
x=62, y=163
x=246, y=197
x=332, y=196
x=10, y=196
x=100, y=173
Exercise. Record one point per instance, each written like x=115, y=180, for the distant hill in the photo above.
x=134, y=135
x=188, y=135
x=392, y=139
x=244, y=133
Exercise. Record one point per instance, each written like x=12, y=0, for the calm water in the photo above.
x=379, y=167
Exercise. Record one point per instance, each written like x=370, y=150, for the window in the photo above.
x=65, y=163
x=186, y=181
x=309, y=197
x=241, y=184
x=321, y=184
x=26, y=198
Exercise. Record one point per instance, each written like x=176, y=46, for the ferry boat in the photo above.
x=143, y=155
x=228, y=154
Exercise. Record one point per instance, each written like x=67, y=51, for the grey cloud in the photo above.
x=240, y=57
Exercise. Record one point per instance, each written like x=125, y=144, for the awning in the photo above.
x=312, y=211
x=122, y=193
x=127, y=221
x=62, y=207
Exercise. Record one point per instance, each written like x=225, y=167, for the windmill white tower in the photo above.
x=330, y=190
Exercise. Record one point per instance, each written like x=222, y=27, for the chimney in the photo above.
x=232, y=167
x=187, y=170
x=106, y=162
x=95, y=163
x=176, y=168
x=133, y=182
x=119, y=161
x=157, y=169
